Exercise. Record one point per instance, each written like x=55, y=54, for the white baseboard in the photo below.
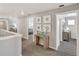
x=53, y=48
x=25, y=37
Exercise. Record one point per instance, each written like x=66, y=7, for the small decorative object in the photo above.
x=42, y=35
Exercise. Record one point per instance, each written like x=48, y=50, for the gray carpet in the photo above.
x=68, y=48
x=65, y=49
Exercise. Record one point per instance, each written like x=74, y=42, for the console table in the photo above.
x=66, y=36
x=45, y=41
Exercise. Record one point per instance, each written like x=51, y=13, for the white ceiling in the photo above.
x=14, y=9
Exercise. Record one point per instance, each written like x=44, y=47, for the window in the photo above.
x=71, y=22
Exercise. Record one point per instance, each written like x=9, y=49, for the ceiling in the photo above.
x=15, y=9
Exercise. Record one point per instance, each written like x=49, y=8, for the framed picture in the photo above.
x=38, y=27
x=38, y=19
x=3, y=24
x=47, y=19
x=46, y=28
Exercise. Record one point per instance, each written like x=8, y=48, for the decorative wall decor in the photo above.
x=38, y=27
x=47, y=19
x=3, y=24
x=46, y=28
x=43, y=24
x=38, y=19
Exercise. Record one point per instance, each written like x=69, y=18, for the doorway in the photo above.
x=30, y=28
x=67, y=33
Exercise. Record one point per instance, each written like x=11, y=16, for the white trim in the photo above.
x=53, y=48
x=57, y=33
x=25, y=38
x=77, y=34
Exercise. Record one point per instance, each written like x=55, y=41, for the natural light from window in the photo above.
x=71, y=22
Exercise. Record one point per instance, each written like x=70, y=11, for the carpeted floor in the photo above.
x=65, y=49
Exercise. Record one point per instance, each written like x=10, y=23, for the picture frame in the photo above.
x=38, y=20
x=4, y=24
x=47, y=19
x=38, y=27
x=46, y=28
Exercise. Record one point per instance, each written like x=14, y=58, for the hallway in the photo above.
x=65, y=49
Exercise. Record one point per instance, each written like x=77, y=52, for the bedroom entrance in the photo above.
x=67, y=33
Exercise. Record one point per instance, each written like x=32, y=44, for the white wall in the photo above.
x=57, y=32
x=10, y=45
x=23, y=26
x=52, y=42
x=73, y=28
x=58, y=29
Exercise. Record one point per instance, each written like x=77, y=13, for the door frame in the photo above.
x=28, y=26
x=57, y=28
